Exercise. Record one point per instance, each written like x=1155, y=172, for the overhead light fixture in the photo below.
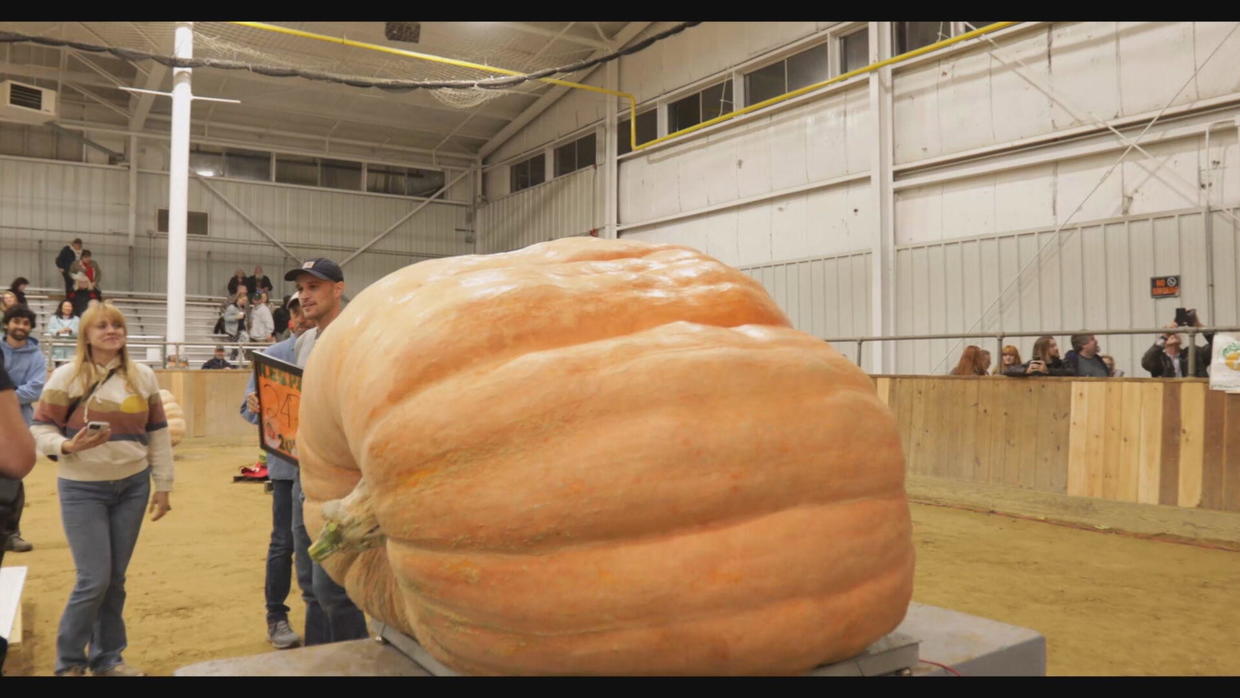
x=407, y=32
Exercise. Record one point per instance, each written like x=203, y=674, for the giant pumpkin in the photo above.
x=174, y=414
x=602, y=457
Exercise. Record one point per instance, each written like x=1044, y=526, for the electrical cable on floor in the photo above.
x=281, y=72
x=941, y=666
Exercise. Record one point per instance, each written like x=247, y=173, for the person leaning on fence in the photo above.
x=1167, y=357
x=974, y=361
x=1009, y=360
x=1044, y=361
x=1084, y=359
x=105, y=480
x=218, y=361
x=1110, y=362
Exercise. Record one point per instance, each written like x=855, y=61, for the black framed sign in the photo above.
x=279, y=398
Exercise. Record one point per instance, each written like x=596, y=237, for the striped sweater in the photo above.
x=140, y=434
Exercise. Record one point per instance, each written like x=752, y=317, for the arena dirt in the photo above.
x=1108, y=604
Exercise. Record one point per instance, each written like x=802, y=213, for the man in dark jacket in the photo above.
x=219, y=361
x=68, y=255
x=1167, y=358
x=1085, y=360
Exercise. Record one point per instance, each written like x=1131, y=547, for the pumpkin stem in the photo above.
x=350, y=525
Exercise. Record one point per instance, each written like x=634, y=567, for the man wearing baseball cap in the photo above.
x=320, y=286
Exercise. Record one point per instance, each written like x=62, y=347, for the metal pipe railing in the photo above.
x=1001, y=335
x=147, y=342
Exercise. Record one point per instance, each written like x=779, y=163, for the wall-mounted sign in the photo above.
x=1165, y=286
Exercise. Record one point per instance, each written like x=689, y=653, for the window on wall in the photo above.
x=247, y=164
x=647, y=130
x=528, y=173
x=40, y=142
x=403, y=181
x=701, y=106
x=341, y=174
x=854, y=51
x=914, y=35
x=575, y=155
x=295, y=169
x=794, y=72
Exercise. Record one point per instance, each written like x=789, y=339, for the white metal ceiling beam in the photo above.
x=551, y=34
x=76, y=55
x=96, y=98
x=624, y=36
x=140, y=104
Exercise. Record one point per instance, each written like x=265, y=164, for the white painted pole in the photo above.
x=178, y=187
x=611, y=168
x=882, y=258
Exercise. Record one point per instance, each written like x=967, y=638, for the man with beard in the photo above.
x=27, y=369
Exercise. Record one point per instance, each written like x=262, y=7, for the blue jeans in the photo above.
x=101, y=520
x=317, y=632
x=330, y=615
x=280, y=555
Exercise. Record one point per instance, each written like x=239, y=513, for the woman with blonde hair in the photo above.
x=102, y=417
x=973, y=362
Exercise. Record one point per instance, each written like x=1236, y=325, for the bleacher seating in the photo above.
x=147, y=316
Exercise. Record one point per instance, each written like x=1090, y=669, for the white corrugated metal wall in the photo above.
x=986, y=167
x=563, y=207
x=44, y=204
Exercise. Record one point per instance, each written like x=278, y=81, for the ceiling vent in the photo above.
x=26, y=104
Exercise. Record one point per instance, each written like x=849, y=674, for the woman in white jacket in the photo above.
x=106, y=476
x=262, y=325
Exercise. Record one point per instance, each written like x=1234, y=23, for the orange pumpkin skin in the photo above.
x=174, y=414
x=606, y=457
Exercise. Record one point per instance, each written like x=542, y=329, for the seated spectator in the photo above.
x=235, y=317
x=63, y=327
x=1008, y=360
x=971, y=362
x=1110, y=362
x=280, y=316
x=238, y=279
x=262, y=327
x=8, y=299
x=1044, y=362
x=1167, y=357
x=259, y=283
x=1084, y=359
x=219, y=361
x=18, y=287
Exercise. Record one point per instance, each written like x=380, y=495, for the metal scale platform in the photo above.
x=971, y=645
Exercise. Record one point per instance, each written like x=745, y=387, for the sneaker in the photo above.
x=119, y=670
x=281, y=635
x=73, y=671
x=17, y=544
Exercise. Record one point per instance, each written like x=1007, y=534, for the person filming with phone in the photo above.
x=1168, y=358
x=102, y=418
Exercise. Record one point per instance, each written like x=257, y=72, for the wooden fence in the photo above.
x=211, y=400
x=1152, y=441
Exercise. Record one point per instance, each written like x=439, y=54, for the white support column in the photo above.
x=611, y=167
x=882, y=259
x=178, y=185
x=133, y=205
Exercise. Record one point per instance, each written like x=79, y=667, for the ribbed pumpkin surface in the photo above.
x=176, y=417
x=606, y=457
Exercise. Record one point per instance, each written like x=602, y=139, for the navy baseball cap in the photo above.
x=321, y=267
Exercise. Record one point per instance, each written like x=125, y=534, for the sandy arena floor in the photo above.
x=1108, y=604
